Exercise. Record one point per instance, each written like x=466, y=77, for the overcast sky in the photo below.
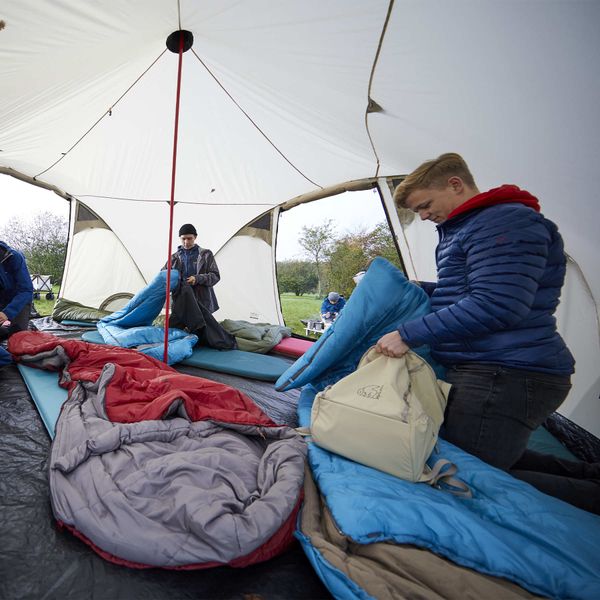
x=349, y=212
x=20, y=199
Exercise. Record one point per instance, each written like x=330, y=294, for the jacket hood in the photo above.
x=501, y=195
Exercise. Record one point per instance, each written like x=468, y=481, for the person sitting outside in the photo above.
x=331, y=307
x=16, y=291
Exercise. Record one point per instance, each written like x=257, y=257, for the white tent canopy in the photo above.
x=275, y=104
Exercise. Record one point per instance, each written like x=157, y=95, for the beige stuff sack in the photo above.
x=387, y=415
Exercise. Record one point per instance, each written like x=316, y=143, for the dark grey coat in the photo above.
x=206, y=273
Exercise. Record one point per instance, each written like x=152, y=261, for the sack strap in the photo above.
x=303, y=431
x=441, y=477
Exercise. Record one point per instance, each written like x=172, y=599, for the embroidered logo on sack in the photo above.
x=370, y=391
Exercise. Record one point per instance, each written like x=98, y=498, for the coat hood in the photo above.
x=501, y=195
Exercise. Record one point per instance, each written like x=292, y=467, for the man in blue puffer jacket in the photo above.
x=16, y=291
x=501, y=266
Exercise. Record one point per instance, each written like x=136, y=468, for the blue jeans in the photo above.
x=491, y=413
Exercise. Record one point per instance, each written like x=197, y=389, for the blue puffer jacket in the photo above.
x=501, y=266
x=16, y=289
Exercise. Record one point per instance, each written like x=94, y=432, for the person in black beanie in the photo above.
x=197, y=267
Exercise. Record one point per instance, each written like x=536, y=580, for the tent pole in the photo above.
x=172, y=201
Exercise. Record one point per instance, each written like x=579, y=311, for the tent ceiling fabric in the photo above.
x=274, y=104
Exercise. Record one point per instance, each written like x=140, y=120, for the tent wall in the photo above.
x=97, y=266
x=247, y=289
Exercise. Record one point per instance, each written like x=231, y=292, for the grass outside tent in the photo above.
x=295, y=308
x=43, y=306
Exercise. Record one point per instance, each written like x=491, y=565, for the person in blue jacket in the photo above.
x=501, y=267
x=16, y=291
x=331, y=306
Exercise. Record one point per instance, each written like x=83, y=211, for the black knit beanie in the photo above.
x=187, y=229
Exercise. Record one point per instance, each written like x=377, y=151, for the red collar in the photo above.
x=500, y=195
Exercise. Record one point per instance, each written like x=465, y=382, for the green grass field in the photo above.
x=43, y=306
x=295, y=308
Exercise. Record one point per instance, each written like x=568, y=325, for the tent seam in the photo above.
x=372, y=75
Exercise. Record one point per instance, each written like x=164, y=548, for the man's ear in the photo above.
x=456, y=184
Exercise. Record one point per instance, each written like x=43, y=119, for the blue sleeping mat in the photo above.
x=238, y=362
x=542, y=441
x=46, y=393
x=93, y=337
x=234, y=362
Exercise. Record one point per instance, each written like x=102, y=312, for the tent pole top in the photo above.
x=173, y=40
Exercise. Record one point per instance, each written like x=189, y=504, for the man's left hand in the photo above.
x=191, y=280
x=391, y=344
x=3, y=318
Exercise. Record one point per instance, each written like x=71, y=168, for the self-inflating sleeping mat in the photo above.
x=291, y=346
x=151, y=467
x=542, y=441
x=46, y=393
x=238, y=362
x=508, y=529
x=93, y=337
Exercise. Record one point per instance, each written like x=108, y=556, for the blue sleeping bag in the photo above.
x=508, y=529
x=383, y=299
x=131, y=327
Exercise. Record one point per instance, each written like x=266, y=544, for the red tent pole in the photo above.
x=172, y=202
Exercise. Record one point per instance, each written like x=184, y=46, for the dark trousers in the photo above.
x=19, y=323
x=491, y=413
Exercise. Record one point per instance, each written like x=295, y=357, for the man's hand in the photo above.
x=391, y=344
x=3, y=318
x=191, y=280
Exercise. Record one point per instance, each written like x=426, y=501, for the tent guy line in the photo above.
x=107, y=113
x=255, y=125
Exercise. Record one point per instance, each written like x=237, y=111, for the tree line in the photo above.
x=43, y=241
x=332, y=260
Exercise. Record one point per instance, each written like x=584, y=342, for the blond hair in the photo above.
x=433, y=173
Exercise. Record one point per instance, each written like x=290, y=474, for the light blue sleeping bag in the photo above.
x=131, y=327
x=383, y=299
